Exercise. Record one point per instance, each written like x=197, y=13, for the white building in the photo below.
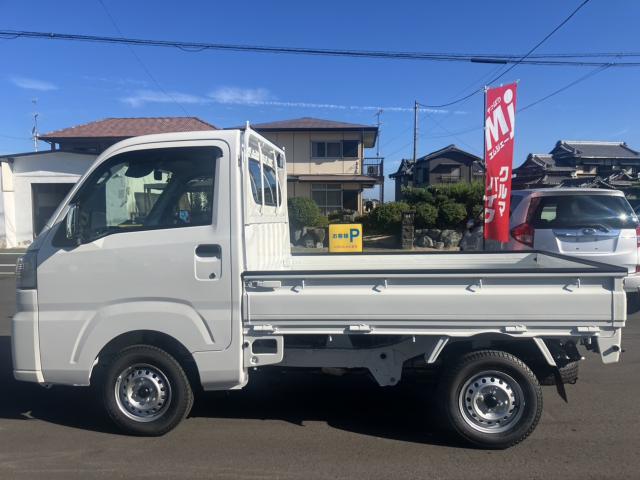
x=34, y=183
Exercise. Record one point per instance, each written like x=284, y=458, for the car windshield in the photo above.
x=582, y=211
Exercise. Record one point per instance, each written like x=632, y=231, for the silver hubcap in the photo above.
x=143, y=392
x=491, y=402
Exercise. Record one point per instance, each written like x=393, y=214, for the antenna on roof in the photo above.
x=34, y=130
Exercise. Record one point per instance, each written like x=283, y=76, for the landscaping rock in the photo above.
x=434, y=233
x=424, y=241
x=349, y=216
x=450, y=238
x=318, y=234
x=439, y=245
x=296, y=234
x=472, y=241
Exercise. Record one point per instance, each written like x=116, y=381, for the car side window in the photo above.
x=148, y=189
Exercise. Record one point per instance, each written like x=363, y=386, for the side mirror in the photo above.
x=73, y=222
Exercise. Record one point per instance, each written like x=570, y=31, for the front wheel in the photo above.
x=491, y=399
x=145, y=391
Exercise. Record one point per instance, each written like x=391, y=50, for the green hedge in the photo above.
x=445, y=206
x=451, y=215
x=386, y=218
x=426, y=215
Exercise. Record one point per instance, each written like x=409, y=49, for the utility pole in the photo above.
x=415, y=129
x=381, y=172
x=34, y=130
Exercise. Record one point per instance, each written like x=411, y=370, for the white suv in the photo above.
x=593, y=224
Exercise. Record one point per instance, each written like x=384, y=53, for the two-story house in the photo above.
x=580, y=164
x=447, y=165
x=326, y=160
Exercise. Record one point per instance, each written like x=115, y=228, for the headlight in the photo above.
x=26, y=268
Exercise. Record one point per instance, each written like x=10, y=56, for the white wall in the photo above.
x=24, y=170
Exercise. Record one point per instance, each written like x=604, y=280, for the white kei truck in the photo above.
x=168, y=269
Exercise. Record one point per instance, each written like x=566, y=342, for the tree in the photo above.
x=303, y=212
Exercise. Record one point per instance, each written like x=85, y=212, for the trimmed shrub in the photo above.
x=416, y=195
x=426, y=215
x=387, y=218
x=451, y=214
x=303, y=212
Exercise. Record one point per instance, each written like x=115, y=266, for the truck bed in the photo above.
x=456, y=294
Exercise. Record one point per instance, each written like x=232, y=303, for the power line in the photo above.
x=562, y=89
x=141, y=63
x=536, y=102
x=516, y=63
x=542, y=60
x=12, y=137
x=439, y=125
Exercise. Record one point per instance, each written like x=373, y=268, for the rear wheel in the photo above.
x=145, y=391
x=491, y=399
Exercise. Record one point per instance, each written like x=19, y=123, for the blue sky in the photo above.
x=80, y=82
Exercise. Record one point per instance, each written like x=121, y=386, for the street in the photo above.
x=317, y=427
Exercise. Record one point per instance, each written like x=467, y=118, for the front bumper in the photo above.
x=25, y=341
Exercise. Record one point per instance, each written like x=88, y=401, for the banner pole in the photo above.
x=484, y=161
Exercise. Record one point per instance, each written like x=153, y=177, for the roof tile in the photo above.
x=130, y=127
x=309, y=123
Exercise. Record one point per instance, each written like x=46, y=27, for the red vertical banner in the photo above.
x=500, y=121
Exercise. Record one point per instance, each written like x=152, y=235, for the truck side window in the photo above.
x=148, y=189
x=272, y=194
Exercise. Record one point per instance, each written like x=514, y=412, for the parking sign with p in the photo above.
x=345, y=238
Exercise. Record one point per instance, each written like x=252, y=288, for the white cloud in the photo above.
x=240, y=96
x=122, y=81
x=33, y=84
x=142, y=97
x=257, y=97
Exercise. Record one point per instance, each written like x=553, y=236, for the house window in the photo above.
x=344, y=149
x=350, y=148
x=318, y=149
x=328, y=197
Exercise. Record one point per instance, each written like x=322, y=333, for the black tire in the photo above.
x=155, y=379
x=568, y=374
x=499, y=383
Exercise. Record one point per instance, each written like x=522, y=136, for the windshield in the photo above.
x=583, y=211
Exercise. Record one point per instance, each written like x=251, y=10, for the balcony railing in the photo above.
x=446, y=178
x=373, y=167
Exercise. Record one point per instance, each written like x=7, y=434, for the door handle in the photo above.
x=208, y=251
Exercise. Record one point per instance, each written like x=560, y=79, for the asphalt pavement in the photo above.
x=318, y=427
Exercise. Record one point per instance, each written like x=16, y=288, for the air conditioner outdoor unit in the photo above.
x=372, y=170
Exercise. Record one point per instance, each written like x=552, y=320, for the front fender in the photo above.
x=176, y=319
